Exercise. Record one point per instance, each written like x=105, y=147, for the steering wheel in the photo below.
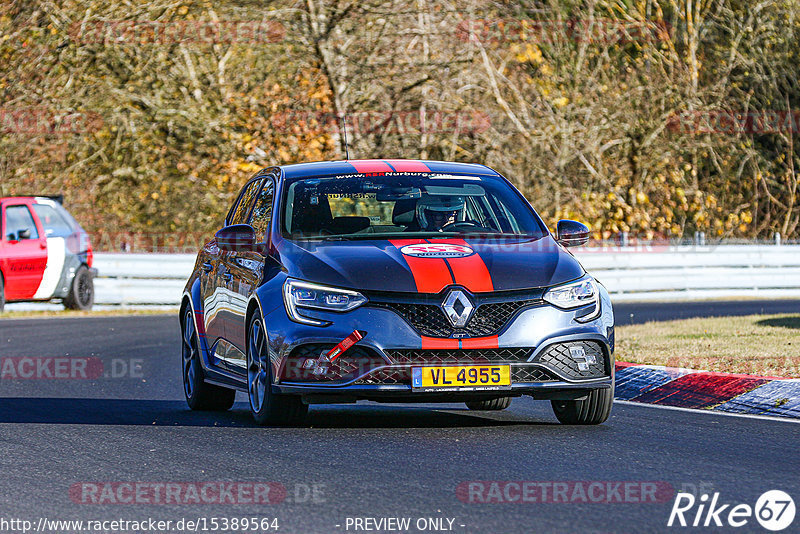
x=461, y=226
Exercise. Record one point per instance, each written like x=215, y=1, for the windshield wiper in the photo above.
x=416, y=235
x=501, y=235
x=347, y=237
x=467, y=235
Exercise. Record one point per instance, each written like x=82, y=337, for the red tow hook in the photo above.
x=345, y=344
x=321, y=365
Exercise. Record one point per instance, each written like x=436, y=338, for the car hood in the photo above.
x=380, y=265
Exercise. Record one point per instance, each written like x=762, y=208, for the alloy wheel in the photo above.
x=257, y=366
x=190, y=355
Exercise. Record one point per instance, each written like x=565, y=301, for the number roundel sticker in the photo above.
x=437, y=250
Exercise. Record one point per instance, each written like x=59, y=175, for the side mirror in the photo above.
x=238, y=238
x=572, y=233
x=24, y=234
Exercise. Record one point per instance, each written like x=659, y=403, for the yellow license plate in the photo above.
x=462, y=377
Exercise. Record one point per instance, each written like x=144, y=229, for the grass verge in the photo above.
x=60, y=314
x=767, y=345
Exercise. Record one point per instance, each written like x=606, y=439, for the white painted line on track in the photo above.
x=711, y=412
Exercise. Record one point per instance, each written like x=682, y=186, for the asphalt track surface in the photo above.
x=366, y=460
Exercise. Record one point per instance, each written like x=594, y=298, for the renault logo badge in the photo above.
x=458, y=308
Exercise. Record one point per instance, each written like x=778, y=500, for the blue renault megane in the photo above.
x=393, y=281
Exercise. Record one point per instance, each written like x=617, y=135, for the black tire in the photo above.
x=266, y=407
x=593, y=410
x=496, y=404
x=199, y=395
x=81, y=292
x=2, y=293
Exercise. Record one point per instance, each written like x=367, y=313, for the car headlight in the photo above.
x=575, y=295
x=298, y=295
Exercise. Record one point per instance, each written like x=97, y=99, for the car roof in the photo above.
x=40, y=198
x=4, y=199
x=324, y=168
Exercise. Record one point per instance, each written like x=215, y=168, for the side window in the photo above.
x=53, y=223
x=19, y=219
x=262, y=212
x=245, y=202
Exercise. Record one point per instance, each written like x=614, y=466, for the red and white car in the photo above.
x=44, y=254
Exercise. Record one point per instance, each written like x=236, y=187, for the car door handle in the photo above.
x=227, y=277
x=207, y=267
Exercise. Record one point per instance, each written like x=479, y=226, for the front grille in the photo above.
x=352, y=364
x=489, y=318
x=429, y=319
x=419, y=356
x=558, y=357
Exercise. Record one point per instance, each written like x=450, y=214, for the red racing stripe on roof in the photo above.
x=370, y=165
x=402, y=165
x=431, y=275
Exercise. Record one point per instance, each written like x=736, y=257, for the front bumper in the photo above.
x=379, y=367
x=404, y=393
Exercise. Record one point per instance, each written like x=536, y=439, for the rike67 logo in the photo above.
x=774, y=510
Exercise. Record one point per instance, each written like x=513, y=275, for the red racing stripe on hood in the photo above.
x=431, y=275
x=471, y=271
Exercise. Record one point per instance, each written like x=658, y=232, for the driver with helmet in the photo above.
x=436, y=211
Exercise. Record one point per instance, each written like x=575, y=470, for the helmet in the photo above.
x=437, y=203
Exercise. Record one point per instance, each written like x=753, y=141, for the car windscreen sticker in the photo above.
x=439, y=250
x=453, y=177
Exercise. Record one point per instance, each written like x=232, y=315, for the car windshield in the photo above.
x=405, y=205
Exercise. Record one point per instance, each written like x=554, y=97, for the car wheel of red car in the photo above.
x=500, y=403
x=81, y=293
x=2, y=293
x=267, y=407
x=199, y=395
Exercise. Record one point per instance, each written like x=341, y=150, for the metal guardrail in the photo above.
x=136, y=279
x=629, y=273
x=696, y=272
